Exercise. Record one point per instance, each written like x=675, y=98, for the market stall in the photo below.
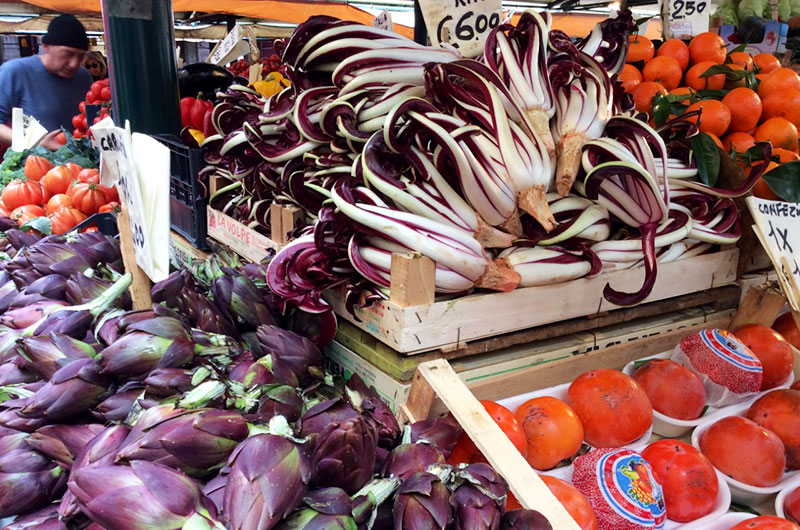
x=518, y=280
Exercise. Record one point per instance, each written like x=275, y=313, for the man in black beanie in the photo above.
x=50, y=86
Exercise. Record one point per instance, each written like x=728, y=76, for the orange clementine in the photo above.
x=785, y=155
x=644, y=93
x=780, y=132
x=687, y=94
x=714, y=117
x=766, y=63
x=630, y=76
x=678, y=50
x=742, y=59
x=707, y=47
x=762, y=190
x=741, y=141
x=745, y=107
x=761, y=77
x=640, y=48
x=783, y=104
x=780, y=79
x=713, y=82
x=716, y=140
x=664, y=70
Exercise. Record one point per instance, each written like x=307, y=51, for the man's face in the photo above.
x=63, y=60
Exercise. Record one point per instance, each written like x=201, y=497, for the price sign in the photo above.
x=120, y=164
x=229, y=48
x=252, y=44
x=688, y=18
x=464, y=24
x=26, y=132
x=383, y=21
x=778, y=228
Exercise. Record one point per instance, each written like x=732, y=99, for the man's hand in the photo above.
x=52, y=141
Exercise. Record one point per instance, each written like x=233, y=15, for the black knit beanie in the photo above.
x=66, y=30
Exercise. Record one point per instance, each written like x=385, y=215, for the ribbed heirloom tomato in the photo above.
x=613, y=407
x=25, y=213
x=87, y=197
x=467, y=452
x=688, y=478
x=57, y=202
x=66, y=219
x=553, y=430
x=89, y=175
x=20, y=192
x=36, y=167
x=58, y=179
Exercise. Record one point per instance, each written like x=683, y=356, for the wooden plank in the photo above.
x=183, y=253
x=283, y=219
x=140, y=285
x=565, y=370
x=242, y=239
x=413, y=278
x=523, y=481
x=452, y=323
x=761, y=305
x=420, y=399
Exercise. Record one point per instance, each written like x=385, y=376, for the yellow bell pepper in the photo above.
x=198, y=136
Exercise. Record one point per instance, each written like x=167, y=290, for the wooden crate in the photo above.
x=242, y=239
x=182, y=252
x=451, y=323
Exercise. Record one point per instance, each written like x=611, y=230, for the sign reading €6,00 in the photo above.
x=464, y=24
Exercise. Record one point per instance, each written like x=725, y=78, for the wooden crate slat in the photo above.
x=242, y=239
x=451, y=323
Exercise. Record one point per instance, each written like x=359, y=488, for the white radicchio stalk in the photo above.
x=546, y=266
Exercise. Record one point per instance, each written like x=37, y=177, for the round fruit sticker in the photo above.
x=628, y=486
x=731, y=349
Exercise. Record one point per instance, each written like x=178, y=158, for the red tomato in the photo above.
x=75, y=168
x=66, y=219
x=87, y=197
x=466, y=451
x=3, y=210
x=90, y=99
x=58, y=202
x=105, y=94
x=57, y=180
x=688, y=478
x=23, y=214
x=111, y=193
x=82, y=107
x=36, y=167
x=89, y=175
x=97, y=89
x=61, y=138
x=76, y=121
x=111, y=207
x=765, y=522
x=20, y=192
x=77, y=134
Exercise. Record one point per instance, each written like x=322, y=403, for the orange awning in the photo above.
x=283, y=11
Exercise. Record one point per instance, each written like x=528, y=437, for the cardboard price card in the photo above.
x=464, y=24
x=778, y=228
x=383, y=21
x=688, y=18
x=26, y=132
x=229, y=48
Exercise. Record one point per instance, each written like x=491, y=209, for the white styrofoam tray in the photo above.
x=726, y=521
x=780, y=500
x=560, y=392
x=741, y=492
x=674, y=428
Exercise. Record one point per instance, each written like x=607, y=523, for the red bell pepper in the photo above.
x=187, y=104
x=198, y=113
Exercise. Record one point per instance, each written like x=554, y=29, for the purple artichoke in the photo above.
x=180, y=293
x=74, y=389
x=422, y=502
x=345, y=445
x=407, y=459
x=268, y=478
x=143, y=496
x=63, y=442
x=251, y=373
x=214, y=490
x=367, y=401
x=46, y=354
x=479, y=499
x=42, y=519
x=22, y=317
x=115, y=322
x=524, y=520
x=442, y=432
x=325, y=508
x=52, y=286
x=28, y=479
x=279, y=400
x=238, y=297
x=166, y=382
x=81, y=289
x=12, y=374
x=295, y=360
x=118, y=407
x=196, y=442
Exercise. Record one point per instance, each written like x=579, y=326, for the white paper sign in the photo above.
x=779, y=224
x=129, y=162
x=688, y=18
x=383, y=21
x=464, y=24
x=229, y=48
x=26, y=132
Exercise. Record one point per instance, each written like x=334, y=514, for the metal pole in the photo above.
x=140, y=43
x=420, y=31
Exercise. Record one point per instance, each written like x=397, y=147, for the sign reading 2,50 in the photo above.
x=687, y=8
x=467, y=30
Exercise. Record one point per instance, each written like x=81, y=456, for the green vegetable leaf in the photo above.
x=784, y=181
x=703, y=412
x=730, y=73
x=661, y=109
x=706, y=156
x=736, y=507
x=42, y=224
x=641, y=362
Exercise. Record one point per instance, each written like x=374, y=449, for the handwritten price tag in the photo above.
x=688, y=18
x=464, y=24
x=383, y=21
x=229, y=48
x=778, y=228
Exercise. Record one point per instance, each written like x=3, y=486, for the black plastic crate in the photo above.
x=187, y=206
